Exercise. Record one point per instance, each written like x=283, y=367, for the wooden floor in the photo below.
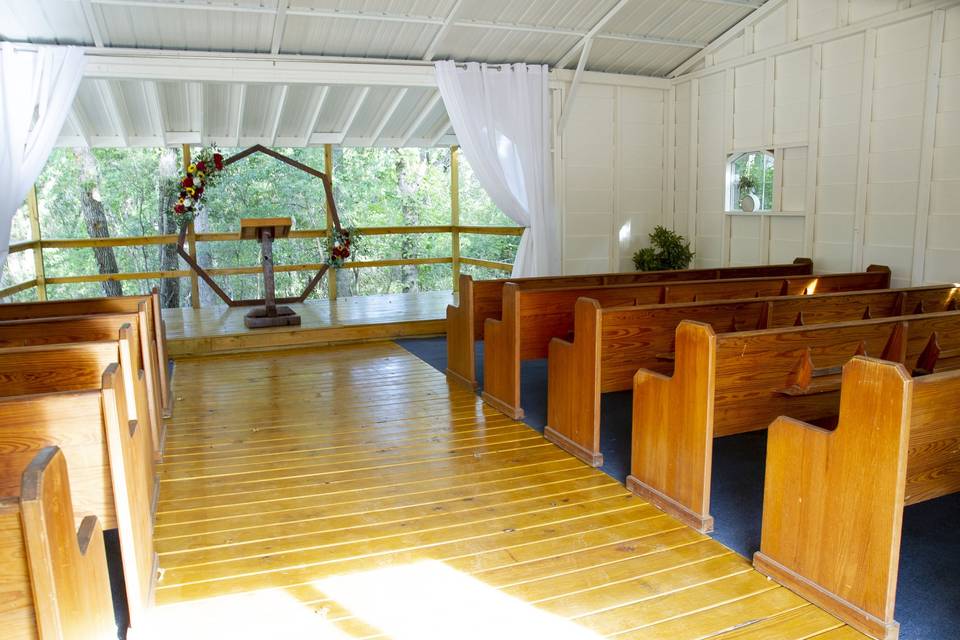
x=349, y=492
x=221, y=329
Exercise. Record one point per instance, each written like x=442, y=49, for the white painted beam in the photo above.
x=92, y=25
x=379, y=16
x=79, y=125
x=112, y=104
x=568, y=56
x=327, y=138
x=574, y=87
x=278, y=114
x=315, y=114
x=442, y=31
x=279, y=23
x=355, y=109
x=412, y=129
x=188, y=6
x=443, y=132
x=151, y=94
x=200, y=99
x=392, y=109
x=241, y=104
x=748, y=4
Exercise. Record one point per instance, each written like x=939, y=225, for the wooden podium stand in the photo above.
x=265, y=230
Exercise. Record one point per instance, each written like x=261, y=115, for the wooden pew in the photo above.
x=833, y=500
x=482, y=299
x=731, y=383
x=55, y=397
x=54, y=576
x=532, y=317
x=98, y=328
x=611, y=343
x=153, y=334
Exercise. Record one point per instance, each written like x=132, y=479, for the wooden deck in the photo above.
x=354, y=319
x=349, y=492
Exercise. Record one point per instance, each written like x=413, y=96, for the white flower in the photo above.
x=188, y=201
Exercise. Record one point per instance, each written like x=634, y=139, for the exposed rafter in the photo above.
x=241, y=105
x=443, y=132
x=442, y=31
x=151, y=94
x=91, y=19
x=568, y=56
x=391, y=110
x=79, y=125
x=279, y=23
x=112, y=104
x=354, y=110
x=319, y=101
x=418, y=122
x=278, y=113
x=574, y=87
x=747, y=4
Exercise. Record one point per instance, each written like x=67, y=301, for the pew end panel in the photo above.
x=573, y=393
x=672, y=442
x=833, y=500
x=55, y=582
x=163, y=354
x=461, y=357
x=501, y=357
x=933, y=467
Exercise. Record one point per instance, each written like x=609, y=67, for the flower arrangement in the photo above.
x=201, y=174
x=339, y=245
x=667, y=250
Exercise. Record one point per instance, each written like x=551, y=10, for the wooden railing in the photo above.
x=39, y=245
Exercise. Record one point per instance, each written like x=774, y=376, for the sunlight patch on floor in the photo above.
x=430, y=601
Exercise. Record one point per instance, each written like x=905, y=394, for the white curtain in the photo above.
x=37, y=87
x=501, y=115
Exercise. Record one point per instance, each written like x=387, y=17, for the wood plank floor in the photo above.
x=349, y=492
x=221, y=329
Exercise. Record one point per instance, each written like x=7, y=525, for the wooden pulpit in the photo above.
x=265, y=230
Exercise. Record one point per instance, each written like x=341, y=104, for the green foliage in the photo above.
x=747, y=184
x=756, y=176
x=372, y=186
x=667, y=250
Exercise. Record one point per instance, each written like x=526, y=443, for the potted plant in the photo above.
x=749, y=202
x=667, y=250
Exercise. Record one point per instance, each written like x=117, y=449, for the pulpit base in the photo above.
x=261, y=317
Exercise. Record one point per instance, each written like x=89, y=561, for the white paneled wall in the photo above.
x=612, y=175
x=860, y=99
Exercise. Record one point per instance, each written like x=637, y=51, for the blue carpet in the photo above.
x=928, y=592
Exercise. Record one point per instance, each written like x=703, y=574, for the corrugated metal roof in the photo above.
x=641, y=37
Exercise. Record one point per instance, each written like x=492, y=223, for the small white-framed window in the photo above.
x=750, y=180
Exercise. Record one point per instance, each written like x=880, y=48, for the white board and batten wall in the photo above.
x=858, y=99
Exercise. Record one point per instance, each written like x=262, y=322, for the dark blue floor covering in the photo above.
x=928, y=591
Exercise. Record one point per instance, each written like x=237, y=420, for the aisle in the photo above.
x=349, y=492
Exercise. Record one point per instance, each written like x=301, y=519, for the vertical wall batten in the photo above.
x=863, y=158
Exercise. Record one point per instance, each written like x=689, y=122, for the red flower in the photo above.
x=346, y=253
x=187, y=182
x=201, y=166
x=198, y=192
x=179, y=208
x=218, y=161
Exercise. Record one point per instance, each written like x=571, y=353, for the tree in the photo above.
x=168, y=191
x=91, y=206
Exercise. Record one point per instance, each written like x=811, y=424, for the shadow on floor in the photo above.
x=928, y=592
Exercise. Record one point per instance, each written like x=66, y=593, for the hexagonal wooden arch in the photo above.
x=331, y=208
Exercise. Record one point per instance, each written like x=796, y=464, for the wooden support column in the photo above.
x=35, y=235
x=455, y=213
x=328, y=169
x=192, y=243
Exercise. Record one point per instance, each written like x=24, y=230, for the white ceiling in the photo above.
x=638, y=37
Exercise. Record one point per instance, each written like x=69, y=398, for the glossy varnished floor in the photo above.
x=349, y=492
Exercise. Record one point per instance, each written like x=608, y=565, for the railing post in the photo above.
x=192, y=243
x=37, y=238
x=328, y=169
x=455, y=214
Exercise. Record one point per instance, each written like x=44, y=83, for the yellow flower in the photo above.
x=201, y=175
x=180, y=201
x=190, y=190
x=192, y=168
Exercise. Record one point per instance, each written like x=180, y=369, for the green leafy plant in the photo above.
x=667, y=250
x=747, y=184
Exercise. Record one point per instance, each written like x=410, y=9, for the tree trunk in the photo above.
x=408, y=185
x=169, y=191
x=95, y=217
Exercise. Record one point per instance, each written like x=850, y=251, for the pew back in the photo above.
x=55, y=581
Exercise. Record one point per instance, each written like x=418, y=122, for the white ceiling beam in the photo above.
x=568, y=56
x=167, y=4
x=574, y=87
x=279, y=114
x=392, y=109
x=378, y=16
x=112, y=104
x=355, y=109
x=443, y=131
x=79, y=125
x=421, y=117
x=151, y=94
x=241, y=103
x=199, y=102
x=183, y=137
x=314, y=117
x=442, y=31
x=326, y=138
x=279, y=23
x=669, y=42
x=92, y=25
x=749, y=4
